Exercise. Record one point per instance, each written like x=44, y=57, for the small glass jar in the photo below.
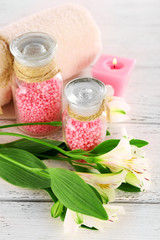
x=84, y=119
x=37, y=82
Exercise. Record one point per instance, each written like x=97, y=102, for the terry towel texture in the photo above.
x=73, y=27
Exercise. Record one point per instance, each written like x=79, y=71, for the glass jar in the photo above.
x=37, y=82
x=84, y=119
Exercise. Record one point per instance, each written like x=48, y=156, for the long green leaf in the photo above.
x=54, y=123
x=23, y=169
x=41, y=141
x=75, y=194
x=96, y=192
x=79, y=151
x=33, y=147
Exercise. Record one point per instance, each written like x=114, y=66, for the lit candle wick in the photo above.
x=114, y=62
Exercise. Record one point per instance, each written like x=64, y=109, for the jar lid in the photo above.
x=85, y=91
x=33, y=49
x=85, y=95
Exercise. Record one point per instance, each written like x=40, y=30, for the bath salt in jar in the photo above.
x=37, y=82
x=84, y=119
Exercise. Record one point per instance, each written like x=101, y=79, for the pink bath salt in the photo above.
x=83, y=135
x=39, y=102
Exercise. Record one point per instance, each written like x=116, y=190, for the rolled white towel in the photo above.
x=74, y=29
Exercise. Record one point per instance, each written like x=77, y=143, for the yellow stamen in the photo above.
x=103, y=186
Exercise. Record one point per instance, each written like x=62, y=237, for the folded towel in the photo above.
x=73, y=27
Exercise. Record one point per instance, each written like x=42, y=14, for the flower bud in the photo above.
x=56, y=209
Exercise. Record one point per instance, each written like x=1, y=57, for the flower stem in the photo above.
x=50, y=192
x=68, y=154
x=71, y=160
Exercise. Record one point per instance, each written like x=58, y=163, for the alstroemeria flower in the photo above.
x=131, y=158
x=117, y=108
x=105, y=183
x=74, y=220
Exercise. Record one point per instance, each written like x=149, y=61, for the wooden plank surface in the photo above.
x=33, y=221
x=129, y=29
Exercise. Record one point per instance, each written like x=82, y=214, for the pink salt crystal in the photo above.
x=39, y=102
x=83, y=135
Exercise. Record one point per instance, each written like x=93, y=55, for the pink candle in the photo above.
x=114, y=71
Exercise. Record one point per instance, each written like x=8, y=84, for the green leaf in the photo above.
x=108, y=133
x=105, y=146
x=23, y=169
x=63, y=214
x=96, y=192
x=91, y=228
x=41, y=141
x=31, y=146
x=54, y=123
x=129, y=188
x=79, y=151
x=75, y=194
x=103, y=169
x=138, y=143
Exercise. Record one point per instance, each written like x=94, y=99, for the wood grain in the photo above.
x=32, y=220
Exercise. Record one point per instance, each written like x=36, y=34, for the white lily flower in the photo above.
x=117, y=108
x=74, y=220
x=131, y=158
x=105, y=183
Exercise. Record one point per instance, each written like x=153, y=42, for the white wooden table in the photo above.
x=130, y=28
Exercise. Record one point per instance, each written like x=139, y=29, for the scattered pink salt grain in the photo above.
x=39, y=102
x=83, y=135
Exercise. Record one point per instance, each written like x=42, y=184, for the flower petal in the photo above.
x=117, y=156
x=110, y=91
x=105, y=183
x=109, y=193
x=112, y=212
x=117, y=109
x=103, y=178
x=118, y=103
x=70, y=225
